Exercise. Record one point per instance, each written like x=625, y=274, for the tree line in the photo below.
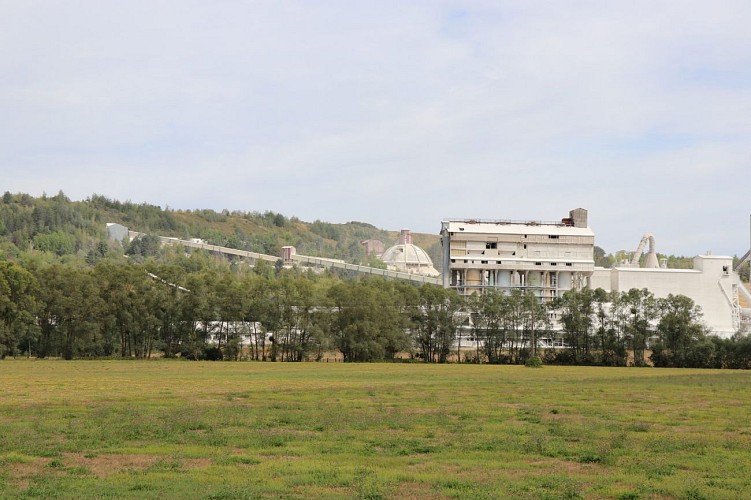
x=635, y=327
x=194, y=308
x=76, y=229
x=136, y=310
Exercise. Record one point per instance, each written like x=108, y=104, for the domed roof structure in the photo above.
x=408, y=258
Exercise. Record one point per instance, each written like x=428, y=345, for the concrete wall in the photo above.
x=600, y=279
x=709, y=285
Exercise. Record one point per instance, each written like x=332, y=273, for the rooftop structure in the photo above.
x=373, y=247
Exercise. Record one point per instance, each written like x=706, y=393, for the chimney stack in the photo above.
x=405, y=237
x=579, y=216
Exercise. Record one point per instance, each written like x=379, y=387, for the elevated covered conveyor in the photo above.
x=296, y=259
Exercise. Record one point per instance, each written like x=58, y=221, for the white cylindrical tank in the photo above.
x=564, y=281
x=504, y=278
x=473, y=277
x=535, y=278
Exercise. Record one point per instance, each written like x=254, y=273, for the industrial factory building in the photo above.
x=711, y=284
x=545, y=257
x=550, y=258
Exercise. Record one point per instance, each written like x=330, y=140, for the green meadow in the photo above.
x=157, y=429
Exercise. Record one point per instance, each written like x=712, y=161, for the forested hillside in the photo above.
x=73, y=229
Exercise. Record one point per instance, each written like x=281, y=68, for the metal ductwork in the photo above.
x=651, y=256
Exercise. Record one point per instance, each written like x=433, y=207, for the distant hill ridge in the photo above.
x=61, y=226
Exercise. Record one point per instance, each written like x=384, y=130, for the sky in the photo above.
x=399, y=114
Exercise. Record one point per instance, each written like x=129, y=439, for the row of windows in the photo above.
x=537, y=237
x=491, y=244
x=465, y=261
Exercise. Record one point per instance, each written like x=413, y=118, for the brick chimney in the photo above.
x=405, y=237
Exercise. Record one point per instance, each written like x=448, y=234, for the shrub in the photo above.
x=534, y=362
x=213, y=354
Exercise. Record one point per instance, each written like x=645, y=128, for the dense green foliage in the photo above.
x=744, y=270
x=76, y=229
x=199, y=308
x=616, y=329
x=613, y=259
x=196, y=306
x=600, y=328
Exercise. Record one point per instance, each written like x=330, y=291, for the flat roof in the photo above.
x=655, y=270
x=501, y=227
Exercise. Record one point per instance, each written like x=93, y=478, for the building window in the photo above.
x=553, y=263
x=538, y=263
x=483, y=262
x=569, y=264
x=491, y=244
x=553, y=236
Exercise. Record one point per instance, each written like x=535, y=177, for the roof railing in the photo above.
x=502, y=222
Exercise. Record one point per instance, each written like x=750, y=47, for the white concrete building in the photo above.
x=711, y=284
x=545, y=257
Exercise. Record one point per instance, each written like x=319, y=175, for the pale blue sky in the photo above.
x=395, y=113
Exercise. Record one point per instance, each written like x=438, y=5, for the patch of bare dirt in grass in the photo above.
x=196, y=463
x=105, y=465
x=20, y=473
x=26, y=468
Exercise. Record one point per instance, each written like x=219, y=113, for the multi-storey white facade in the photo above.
x=547, y=258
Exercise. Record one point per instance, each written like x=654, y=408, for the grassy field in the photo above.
x=235, y=430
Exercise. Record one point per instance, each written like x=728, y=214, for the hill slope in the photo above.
x=77, y=228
